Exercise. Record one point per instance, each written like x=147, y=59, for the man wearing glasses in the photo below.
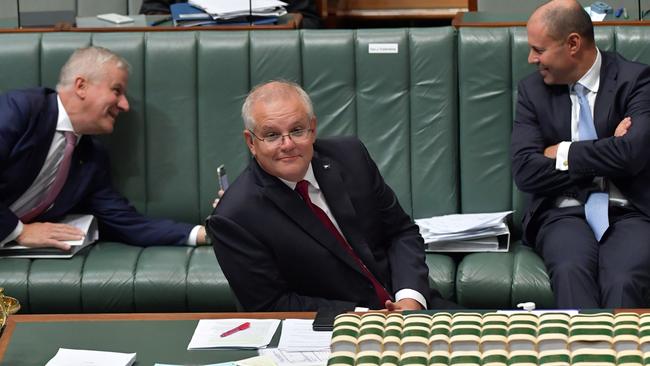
x=311, y=223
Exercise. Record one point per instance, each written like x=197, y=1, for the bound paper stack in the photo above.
x=490, y=339
x=482, y=232
x=240, y=9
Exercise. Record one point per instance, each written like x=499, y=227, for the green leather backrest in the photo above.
x=186, y=91
x=491, y=61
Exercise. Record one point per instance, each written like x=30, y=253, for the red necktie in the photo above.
x=302, y=189
x=59, y=179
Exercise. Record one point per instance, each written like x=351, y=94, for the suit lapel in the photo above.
x=290, y=203
x=561, y=105
x=330, y=181
x=605, y=97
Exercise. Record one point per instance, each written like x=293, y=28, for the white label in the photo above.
x=383, y=48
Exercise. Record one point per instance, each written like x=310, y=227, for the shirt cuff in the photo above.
x=562, y=156
x=191, y=239
x=13, y=235
x=407, y=293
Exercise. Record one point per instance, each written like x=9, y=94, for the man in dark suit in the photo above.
x=37, y=126
x=580, y=148
x=280, y=253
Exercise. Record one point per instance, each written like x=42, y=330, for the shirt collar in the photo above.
x=591, y=79
x=63, y=122
x=309, y=177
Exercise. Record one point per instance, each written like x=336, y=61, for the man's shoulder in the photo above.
x=338, y=145
x=29, y=94
x=624, y=66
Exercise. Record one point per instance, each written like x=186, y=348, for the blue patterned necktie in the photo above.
x=598, y=202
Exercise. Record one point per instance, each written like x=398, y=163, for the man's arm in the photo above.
x=409, y=272
x=119, y=220
x=623, y=156
x=552, y=151
x=533, y=172
x=253, y=272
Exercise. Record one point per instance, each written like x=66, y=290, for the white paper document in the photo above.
x=298, y=335
x=284, y=358
x=208, y=333
x=79, y=357
x=85, y=223
x=466, y=232
x=229, y=8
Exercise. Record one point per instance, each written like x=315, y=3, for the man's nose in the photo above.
x=123, y=104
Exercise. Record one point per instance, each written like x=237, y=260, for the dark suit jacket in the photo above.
x=543, y=118
x=277, y=256
x=27, y=126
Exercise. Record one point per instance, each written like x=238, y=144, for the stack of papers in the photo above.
x=67, y=357
x=232, y=9
x=85, y=223
x=482, y=232
x=298, y=335
x=208, y=333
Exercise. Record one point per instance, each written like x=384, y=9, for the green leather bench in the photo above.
x=435, y=116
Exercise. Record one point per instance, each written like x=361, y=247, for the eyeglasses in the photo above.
x=297, y=135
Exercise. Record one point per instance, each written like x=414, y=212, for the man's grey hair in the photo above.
x=273, y=90
x=90, y=63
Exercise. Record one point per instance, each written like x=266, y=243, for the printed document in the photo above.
x=208, y=333
x=68, y=357
x=298, y=335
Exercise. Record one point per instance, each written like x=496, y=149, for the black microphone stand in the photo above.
x=250, y=12
x=18, y=12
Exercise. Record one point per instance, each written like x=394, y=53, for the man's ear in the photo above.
x=248, y=137
x=574, y=42
x=314, y=124
x=81, y=87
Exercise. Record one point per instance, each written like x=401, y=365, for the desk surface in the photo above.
x=35, y=339
x=287, y=21
x=493, y=19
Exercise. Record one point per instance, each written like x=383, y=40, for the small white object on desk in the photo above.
x=208, y=333
x=115, y=18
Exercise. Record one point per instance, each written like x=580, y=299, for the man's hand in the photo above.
x=201, y=236
x=47, y=234
x=623, y=127
x=551, y=151
x=216, y=200
x=403, y=304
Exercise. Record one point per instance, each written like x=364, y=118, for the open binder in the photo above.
x=86, y=223
x=483, y=232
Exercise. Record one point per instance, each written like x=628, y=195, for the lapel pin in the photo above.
x=326, y=166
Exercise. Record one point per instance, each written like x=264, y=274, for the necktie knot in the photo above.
x=580, y=90
x=302, y=188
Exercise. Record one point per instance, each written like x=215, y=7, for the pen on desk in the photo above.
x=236, y=329
x=160, y=21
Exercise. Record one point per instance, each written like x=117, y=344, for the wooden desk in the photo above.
x=491, y=19
x=402, y=9
x=288, y=21
x=35, y=339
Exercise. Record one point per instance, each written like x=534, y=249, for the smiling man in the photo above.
x=580, y=148
x=311, y=223
x=52, y=166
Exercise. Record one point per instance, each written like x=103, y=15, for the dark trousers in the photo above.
x=587, y=274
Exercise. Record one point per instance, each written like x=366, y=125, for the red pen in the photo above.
x=236, y=329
